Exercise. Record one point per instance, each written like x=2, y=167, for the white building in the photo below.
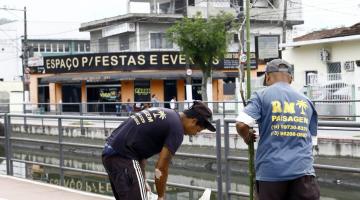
x=327, y=66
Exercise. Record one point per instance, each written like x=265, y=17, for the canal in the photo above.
x=196, y=172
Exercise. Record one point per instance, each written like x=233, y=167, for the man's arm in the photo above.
x=142, y=166
x=161, y=171
x=245, y=132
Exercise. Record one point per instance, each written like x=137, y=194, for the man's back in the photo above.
x=146, y=132
x=286, y=120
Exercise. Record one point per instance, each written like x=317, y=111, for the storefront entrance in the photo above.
x=44, y=98
x=71, y=98
x=170, y=91
x=101, y=97
x=196, y=89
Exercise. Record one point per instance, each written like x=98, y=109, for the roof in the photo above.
x=322, y=41
x=130, y=18
x=330, y=33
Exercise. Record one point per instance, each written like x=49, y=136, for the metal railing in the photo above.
x=221, y=108
x=337, y=109
x=229, y=158
x=8, y=138
x=223, y=160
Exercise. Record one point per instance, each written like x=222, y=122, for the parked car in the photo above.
x=335, y=91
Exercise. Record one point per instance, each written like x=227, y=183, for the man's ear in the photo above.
x=290, y=79
x=267, y=79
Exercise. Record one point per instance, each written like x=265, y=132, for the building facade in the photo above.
x=132, y=59
x=326, y=67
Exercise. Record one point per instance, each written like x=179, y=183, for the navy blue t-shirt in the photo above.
x=145, y=133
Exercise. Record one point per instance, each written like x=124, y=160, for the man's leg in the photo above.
x=123, y=175
x=304, y=188
x=272, y=190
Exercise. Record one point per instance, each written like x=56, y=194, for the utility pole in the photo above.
x=25, y=58
x=248, y=93
x=284, y=23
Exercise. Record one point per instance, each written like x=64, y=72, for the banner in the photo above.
x=125, y=61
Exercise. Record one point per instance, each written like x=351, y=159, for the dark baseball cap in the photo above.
x=203, y=114
x=278, y=65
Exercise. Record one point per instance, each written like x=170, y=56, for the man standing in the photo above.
x=173, y=103
x=142, y=135
x=287, y=121
x=154, y=101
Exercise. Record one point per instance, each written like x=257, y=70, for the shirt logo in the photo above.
x=289, y=107
x=160, y=114
x=289, y=119
x=145, y=116
x=302, y=105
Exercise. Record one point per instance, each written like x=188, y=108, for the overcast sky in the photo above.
x=61, y=19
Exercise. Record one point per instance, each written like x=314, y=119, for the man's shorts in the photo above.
x=303, y=188
x=126, y=179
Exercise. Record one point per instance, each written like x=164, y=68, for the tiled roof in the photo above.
x=330, y=33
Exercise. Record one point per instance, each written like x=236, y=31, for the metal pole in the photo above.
x=82, y=130
x=227, y=167
x=61, y=151
x=224, y=110
x=7, y=144
x=248, y=93
x=219, y=160
x=25, y=65
x=284, y=24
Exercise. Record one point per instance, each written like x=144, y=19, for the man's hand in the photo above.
x=247, y=133
x=251, y=137
x=160, y=198
x=147, y=186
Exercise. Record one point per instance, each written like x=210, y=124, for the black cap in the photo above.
x=203, y=114
x=278, y=65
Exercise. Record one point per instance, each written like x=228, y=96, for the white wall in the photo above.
x=10, y=51
x=307, y=58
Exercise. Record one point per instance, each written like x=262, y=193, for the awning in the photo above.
x=103, y=77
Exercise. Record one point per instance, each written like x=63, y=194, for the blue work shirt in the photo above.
x=287, y=120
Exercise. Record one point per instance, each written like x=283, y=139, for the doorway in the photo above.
x=170, y=91
x=71, y=97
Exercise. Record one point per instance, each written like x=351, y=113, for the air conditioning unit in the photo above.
x=324, y=55
x=118, y=29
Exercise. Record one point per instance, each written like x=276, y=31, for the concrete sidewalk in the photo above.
x=16, y=188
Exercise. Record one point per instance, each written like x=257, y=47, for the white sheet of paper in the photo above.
x=206, y=195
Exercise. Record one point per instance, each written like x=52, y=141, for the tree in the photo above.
x=204, y=42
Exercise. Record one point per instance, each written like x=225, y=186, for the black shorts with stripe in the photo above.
x=127, y=181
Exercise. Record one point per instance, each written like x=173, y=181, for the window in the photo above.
x=48, y=47
x=35, y=47
x=41, y=47
x=260, y=3
x=66, y=47
x=103, y=45
x=61, y=47
x=165, y=7
x=310, y=77
x=55, y=47
x=191, y=2
x=334, y=70
x=142, y=91
x=124, y=42
x=236, y=38
x=159, y=41
x=87, y=47
x=229, y=86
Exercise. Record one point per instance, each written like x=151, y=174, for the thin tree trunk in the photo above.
x=204, y=86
